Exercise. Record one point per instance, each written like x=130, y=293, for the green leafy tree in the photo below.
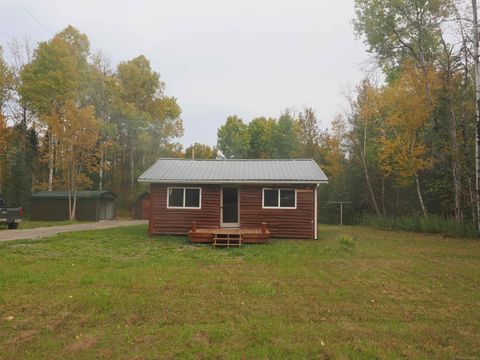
x=365, y=120
x=233, y=138
x=102, y=86
x=5, y=81
x=286, y=137
x=261, y=138
x=395, y=31
x=4, y=94
x=309, y=133
x=53, y=78
x=146, y=120
x=201, y=151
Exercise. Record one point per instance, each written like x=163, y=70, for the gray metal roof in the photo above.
x=234, y=171
x=81, y=194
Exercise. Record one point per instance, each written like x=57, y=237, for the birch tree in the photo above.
x=407, y=109
x=476, y=60
x=48, y=83
x=363, y=119
x=77, y=144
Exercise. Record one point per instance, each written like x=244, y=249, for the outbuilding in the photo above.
x=141, y=207
x=254, y=199
x=91, y=205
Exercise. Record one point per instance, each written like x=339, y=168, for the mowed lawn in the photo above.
x=354, y=293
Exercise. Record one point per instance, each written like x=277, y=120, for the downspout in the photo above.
x=150, y=214
x=315, y=225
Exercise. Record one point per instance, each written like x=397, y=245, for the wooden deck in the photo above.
x=247, y=235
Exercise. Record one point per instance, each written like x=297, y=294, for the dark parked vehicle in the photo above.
x=10, y=216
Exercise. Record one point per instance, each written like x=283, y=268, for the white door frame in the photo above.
x=229, y=225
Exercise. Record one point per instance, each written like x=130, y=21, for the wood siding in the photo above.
x=294, y=223
x=179, y=221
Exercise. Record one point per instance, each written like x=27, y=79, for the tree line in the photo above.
x=409, y=142
x=69, y=120
x=418, y=129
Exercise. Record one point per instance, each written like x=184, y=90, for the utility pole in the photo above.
x=341, y=208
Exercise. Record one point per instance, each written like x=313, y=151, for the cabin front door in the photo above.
x=229, y=207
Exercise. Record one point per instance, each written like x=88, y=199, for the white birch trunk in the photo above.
x=456, y=172
x=50, y=161
x=365, y=170
x=476, y=45
x=420, y=196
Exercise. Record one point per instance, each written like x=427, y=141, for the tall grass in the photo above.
x=428, y=224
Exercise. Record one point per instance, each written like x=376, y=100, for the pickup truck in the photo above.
x=10, y=216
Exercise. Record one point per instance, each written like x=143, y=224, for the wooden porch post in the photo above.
x=264, y=228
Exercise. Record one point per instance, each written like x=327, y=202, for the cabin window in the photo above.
x=186, y=198
x=279, y=198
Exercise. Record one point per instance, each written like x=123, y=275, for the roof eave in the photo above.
x=185, y=181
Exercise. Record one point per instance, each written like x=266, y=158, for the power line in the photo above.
x=33, y=17
x=6, y=34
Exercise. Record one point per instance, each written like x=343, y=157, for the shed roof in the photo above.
x=234, y=171
x=84, y=194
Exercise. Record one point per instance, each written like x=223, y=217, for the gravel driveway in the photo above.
x=41, y=232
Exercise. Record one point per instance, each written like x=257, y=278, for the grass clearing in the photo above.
x=354, y=293
x=29, y=224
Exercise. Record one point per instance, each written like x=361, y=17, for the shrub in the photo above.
x=347, y=242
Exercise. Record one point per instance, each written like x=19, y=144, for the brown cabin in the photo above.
x=250, y=199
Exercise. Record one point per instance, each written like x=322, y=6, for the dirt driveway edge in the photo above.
x=42, y=232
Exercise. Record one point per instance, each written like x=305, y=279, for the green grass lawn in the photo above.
x=29, y=224
x=354, y=293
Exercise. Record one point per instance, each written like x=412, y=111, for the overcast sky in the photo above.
x=218, y=58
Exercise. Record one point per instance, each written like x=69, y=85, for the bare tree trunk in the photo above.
x=100, y=172
x=69, y=204
x=369, y=185
x=2, y=156
x=131, y=171
x=456, y=171
x=419, y=193
x=74, y=207
x=466, y=152
x=476, y=38
x=50, y=160
x=74, y=210
x=69, y=182
x=383, y=196
x=455, y=149
x=365, y=171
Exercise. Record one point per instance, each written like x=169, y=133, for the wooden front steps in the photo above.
x=226, y=240
x=229, y=237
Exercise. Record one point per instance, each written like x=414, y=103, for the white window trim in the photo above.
x=184, y=191
x=278, y=207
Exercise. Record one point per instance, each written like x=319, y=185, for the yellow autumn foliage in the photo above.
x=406, y=105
